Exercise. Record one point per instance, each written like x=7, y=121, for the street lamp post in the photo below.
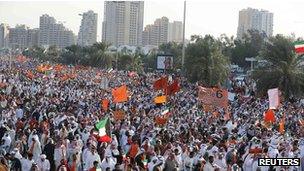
x=183, y=50
x=10, y=59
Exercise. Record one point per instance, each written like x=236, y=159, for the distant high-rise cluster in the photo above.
x=123, y=22
x=157, y=33
x=53, y=33
x=253, y=19
x=175, y=32
x=122, y=25
x=87, y=34
x=162, y=31
x=4, y=39
x=22, y=37
x=19, y=37
x=49, y=33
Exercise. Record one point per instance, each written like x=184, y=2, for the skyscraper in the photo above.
x=4, y=36
x=22, y=37
x=253, y=19
x=157, y=33
x=123, y=22
x=32, y=37
x=18, y=37
x=175, y=32
x=88, y=29
x=53, y=33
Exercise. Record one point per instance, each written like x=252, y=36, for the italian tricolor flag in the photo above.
x=103, y=127
x=299, y=46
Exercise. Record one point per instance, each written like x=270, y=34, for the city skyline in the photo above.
x=223, y=20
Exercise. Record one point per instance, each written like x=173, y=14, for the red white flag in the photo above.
x=274, y=99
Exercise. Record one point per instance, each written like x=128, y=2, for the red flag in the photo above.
x=105, y=104
x=160, y=84
x=173, y=88
x=269, y=116
x=120, y=94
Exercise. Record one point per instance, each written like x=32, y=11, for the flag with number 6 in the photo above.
x=213, y=96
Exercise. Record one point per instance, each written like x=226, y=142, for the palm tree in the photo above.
x=99, y=56
x=282, y=68
x=205, y=62
x=53, y=53
x=136, y=63
x=72, y=54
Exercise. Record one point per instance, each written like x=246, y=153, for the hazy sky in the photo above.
x=203, y=16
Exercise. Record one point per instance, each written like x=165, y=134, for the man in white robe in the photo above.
x=108, y=162
x=43, y=163
x=90, y=157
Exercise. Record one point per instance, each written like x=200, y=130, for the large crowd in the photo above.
x=47, y=124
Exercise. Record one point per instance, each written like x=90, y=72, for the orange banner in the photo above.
x=213, y=96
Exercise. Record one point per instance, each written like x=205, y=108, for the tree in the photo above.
x=124, y=61
x=149, y=60
x=35, y=52
x=205, y=61
x=72, y=54
x=136, y=63
x=282, y=68
x=53, y=53
x=132, y=62
x=98, y=56
x=249, y=46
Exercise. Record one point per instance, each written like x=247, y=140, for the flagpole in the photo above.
x=183, y=50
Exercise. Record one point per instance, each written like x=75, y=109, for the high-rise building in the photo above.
x=22, y=37
x=254, y=19
x=4, y=36
x=175, y=32
x=32, y=37
x=18, y=37
x=88, y=29
x=123, y=22
x=54, y=34
x=157, y=33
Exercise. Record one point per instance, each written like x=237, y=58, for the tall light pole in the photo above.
x=10, y=59
x=183, y=50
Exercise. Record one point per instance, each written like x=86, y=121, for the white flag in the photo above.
x=274, y=100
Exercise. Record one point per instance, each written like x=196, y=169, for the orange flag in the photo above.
x=282, y=125
x=269, y=116
x=58, y=67
x=105, y=104
x=160, y=99
x=120, y=94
